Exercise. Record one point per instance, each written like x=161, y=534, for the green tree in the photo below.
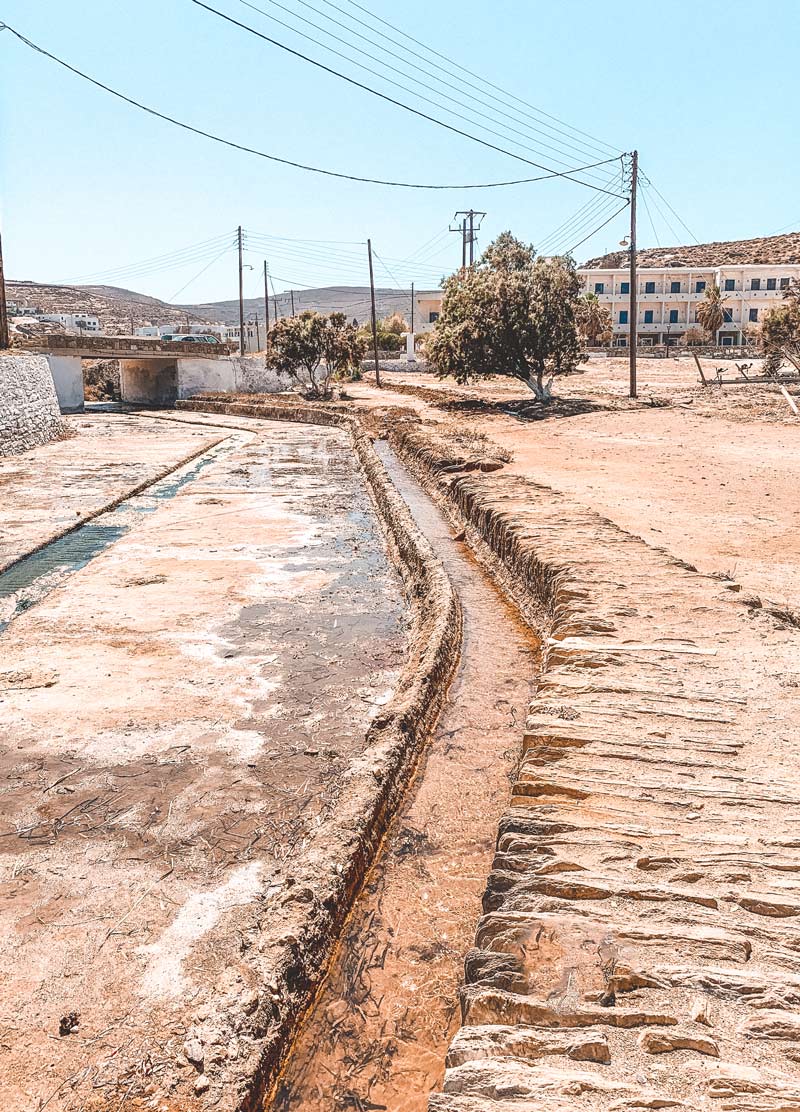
x=593, y=319
x=711, y=311
x=780, y=329
x=512, y=314
x=312, y=350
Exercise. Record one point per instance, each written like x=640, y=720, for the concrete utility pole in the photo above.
x=266, y=298
x=4, y=339
x=291, y=294
x=374, y=318
x=464, y=244
x=633, y=329
x=412, y=308
x=241, y=293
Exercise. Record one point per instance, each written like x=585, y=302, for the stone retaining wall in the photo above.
x=29, y=413
x=636, y=949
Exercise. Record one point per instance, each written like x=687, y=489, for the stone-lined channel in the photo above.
x=377, y=1036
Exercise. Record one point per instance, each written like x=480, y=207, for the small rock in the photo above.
x=490, y=465
x=665, y=1042
x=193, y=1049
x=69, y=1023
x=202, y=1084
x=699, y=1011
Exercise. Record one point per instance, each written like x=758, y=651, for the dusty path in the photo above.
x=178, y=717
x=378, y=1034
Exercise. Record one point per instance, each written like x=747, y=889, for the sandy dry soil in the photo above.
x=709, y=475
x=177, y=717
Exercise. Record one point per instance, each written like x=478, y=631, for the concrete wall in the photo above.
x=67, y=372
x=148, y=382
x=246, y=374
x=29, y=413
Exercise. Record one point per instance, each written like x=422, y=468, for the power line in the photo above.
x=275, y=158
x=442, y=57
x=671, y=209
x=599, y=227
x=391, y=100
x=565, y=158
x=199, y=273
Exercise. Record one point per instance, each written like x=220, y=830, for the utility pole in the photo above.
x=412, y=308
x=291, y=294
x=258, y=335
x=241, y=293
x=633, y=311
x=275, y=306
x=266, y=298
x=4, y=339
x=469, y=227
x=374, y=318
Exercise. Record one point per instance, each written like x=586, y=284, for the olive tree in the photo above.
x=512, y=314
x=312, y=350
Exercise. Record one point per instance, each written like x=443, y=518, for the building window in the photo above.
x=730, y=284
x=755, y=284
x=649, y=287
x=624, y=287
x=754, y=314
x=784, y=283
x=699, y=287
x=432, y=318
x=599, y=287
x=623, y=316
x=727, y=316
x=673, y=316
x=648, y=316
x=674, y=287
x=771, y=283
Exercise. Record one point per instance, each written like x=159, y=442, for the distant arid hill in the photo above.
x=768, y=249
x=120, y=310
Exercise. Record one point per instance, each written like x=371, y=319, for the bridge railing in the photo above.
x=119, y=347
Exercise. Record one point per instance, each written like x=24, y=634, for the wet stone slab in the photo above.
x=178, y=715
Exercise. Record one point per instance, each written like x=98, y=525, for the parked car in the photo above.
x=193, y=338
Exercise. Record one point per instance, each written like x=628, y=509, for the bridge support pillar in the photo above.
x=67, y=372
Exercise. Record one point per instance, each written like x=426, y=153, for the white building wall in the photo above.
x=668, y=297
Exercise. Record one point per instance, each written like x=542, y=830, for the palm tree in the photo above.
x=711, y=311
x=592, y=318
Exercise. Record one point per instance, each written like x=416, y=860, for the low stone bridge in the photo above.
x=152, y=371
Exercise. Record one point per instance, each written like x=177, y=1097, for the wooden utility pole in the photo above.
x=258, y=335
x=633, y=312
x=266, y=299
x=275, y=306
x=471, y=237
x=464, y=244
x=412, y=308
x=291, y=294
x=374, y=318
x=241, y=294
x=4, y=338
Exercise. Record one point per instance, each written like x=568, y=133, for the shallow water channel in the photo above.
x=377, y=1037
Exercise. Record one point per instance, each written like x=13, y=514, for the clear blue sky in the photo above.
x=88, y=184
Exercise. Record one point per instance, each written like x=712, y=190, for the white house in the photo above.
x=669, y=296
x=72, y=322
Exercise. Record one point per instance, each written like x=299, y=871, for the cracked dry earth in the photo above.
x=639, y=945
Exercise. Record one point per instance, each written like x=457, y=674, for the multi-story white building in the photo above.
x=669, y=297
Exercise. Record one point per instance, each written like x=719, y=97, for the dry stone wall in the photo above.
x=638, y=947
x=29, y=413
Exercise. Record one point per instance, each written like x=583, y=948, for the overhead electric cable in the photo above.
x=463, y=69
x=669, y=206
x=286, y=161
x=565, y=158
x=199, y=273
x=391, y=100
x=594, y=231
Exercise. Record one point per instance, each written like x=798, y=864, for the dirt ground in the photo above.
x=709, y=475
x=177, y=718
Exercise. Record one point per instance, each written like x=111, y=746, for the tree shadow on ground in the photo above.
x=525, y=409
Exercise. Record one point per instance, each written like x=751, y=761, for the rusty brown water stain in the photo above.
x=378, y=1034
